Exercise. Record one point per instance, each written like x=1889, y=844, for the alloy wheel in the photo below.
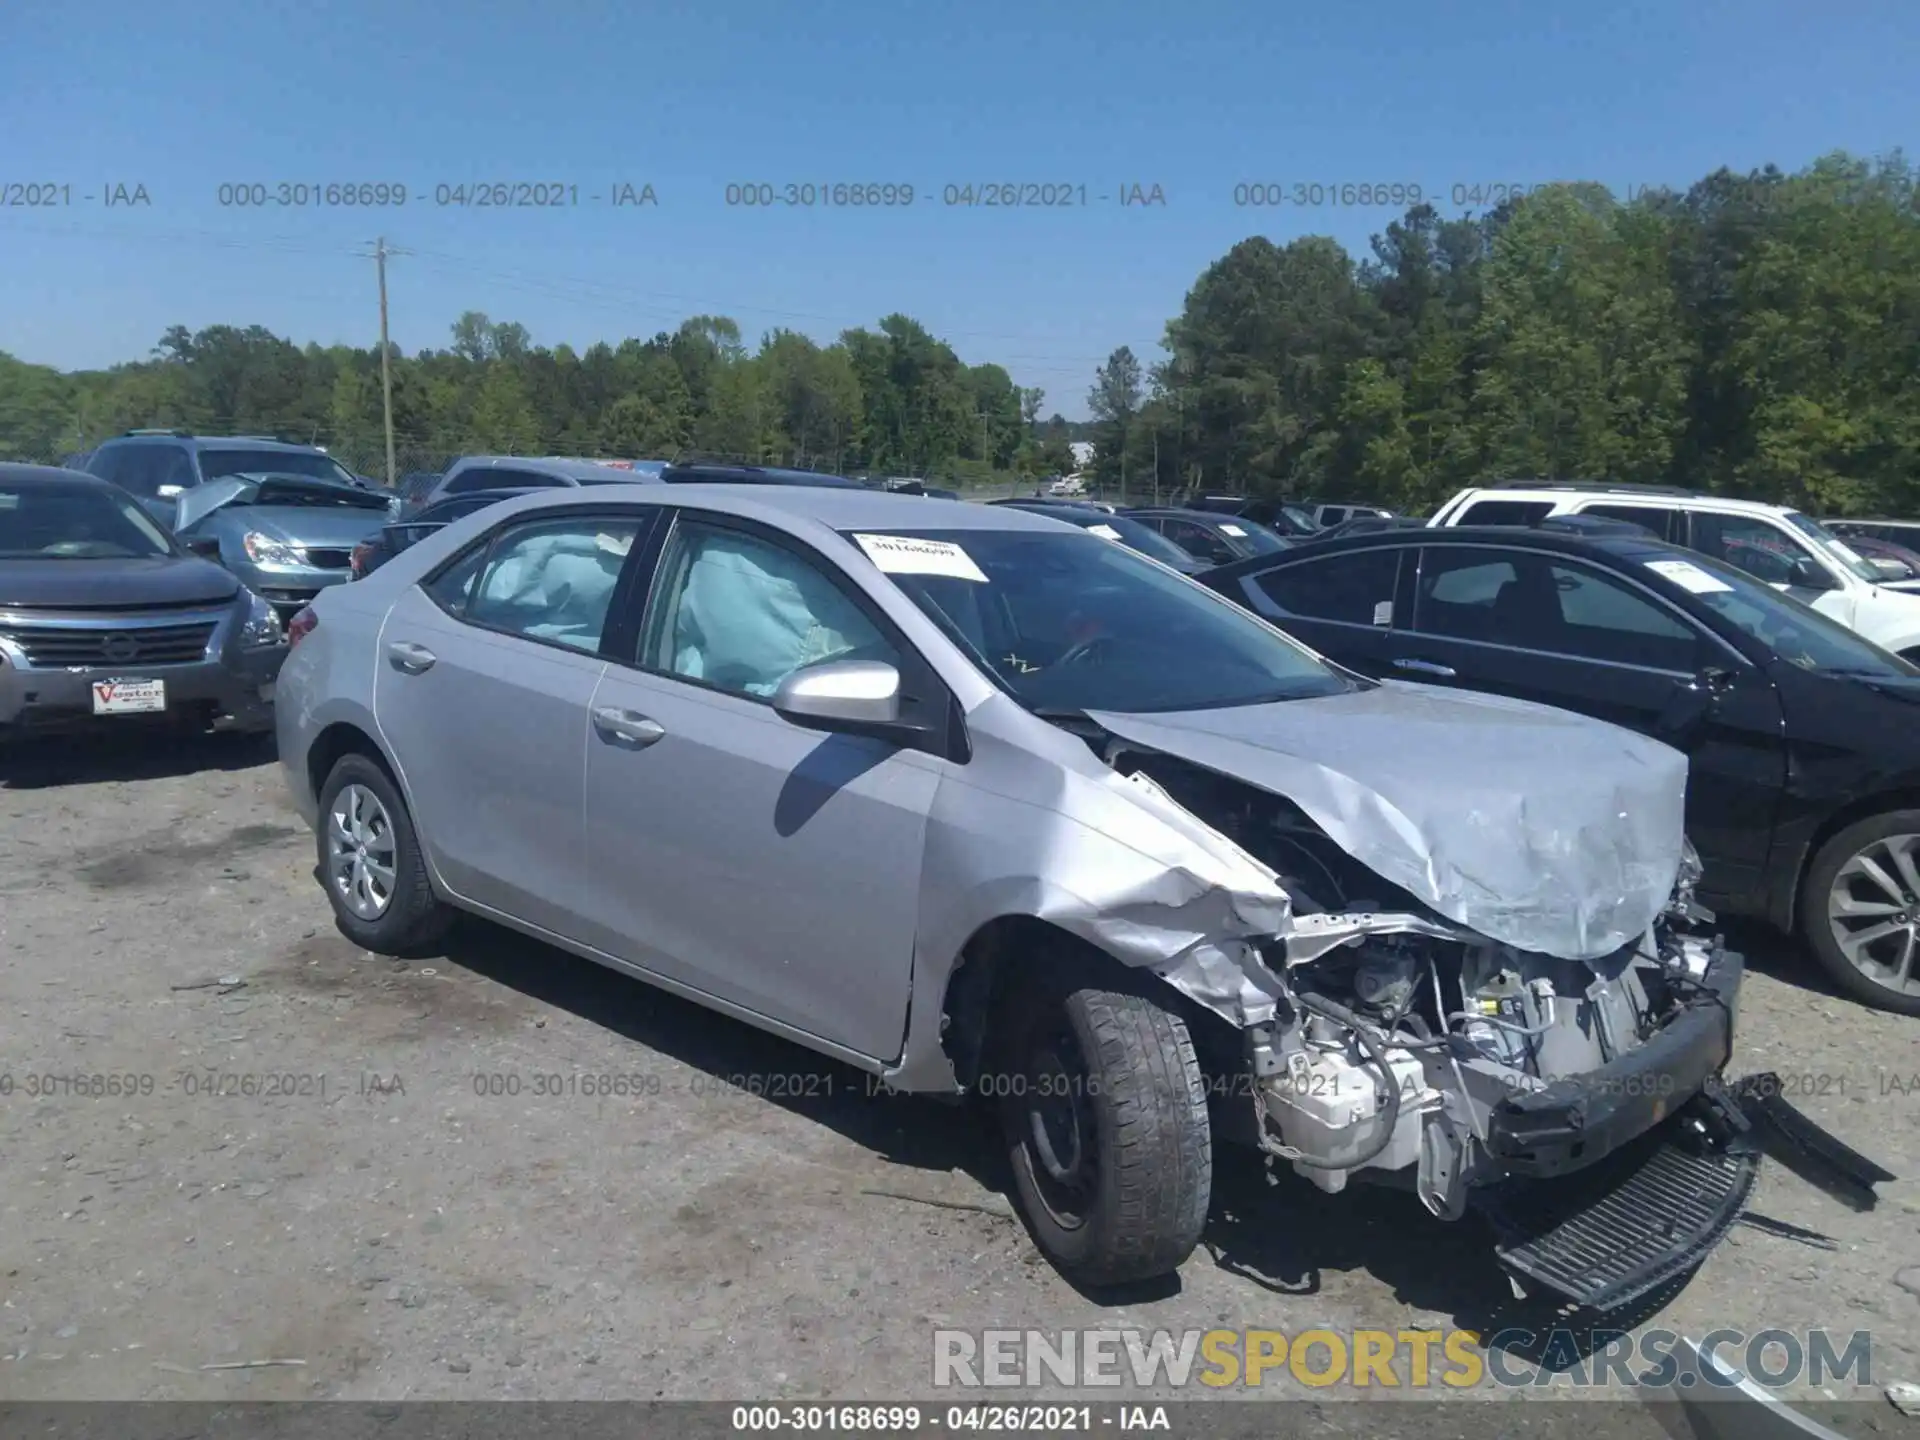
x=1874, y=912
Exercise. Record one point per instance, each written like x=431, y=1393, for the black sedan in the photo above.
x=1209, y=537
x=1128, y=531
x=107, y=621
x=1803, y=738
x=388, y=541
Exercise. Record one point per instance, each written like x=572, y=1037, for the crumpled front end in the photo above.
x=1384, y=1038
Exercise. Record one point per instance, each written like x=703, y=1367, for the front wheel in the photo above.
x=1104, y=1111
x=371, y=865
x=1860, y=910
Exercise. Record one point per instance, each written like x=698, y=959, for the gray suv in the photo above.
x=158, y=466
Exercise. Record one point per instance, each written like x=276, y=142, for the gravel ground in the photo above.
x=417, y=1219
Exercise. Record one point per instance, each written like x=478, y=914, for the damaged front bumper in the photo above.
x=1577, y=1121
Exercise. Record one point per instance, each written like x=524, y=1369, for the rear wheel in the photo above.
x=371, y=865
x=1860, y=910
x=1104, y=1112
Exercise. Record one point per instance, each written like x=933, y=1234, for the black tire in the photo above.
x=414, y=917
x=1117, y=1067
x=1817, y=930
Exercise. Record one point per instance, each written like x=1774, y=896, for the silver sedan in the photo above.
x=981, y=802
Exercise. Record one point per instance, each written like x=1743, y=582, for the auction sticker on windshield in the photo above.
x=129, y=697
x=908, y=555
x=1105, y=532
x=1235, y=531
x=1688, y=576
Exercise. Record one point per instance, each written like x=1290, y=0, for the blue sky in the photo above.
x=1195, y=98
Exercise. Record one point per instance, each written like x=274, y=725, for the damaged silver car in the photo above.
x=980, y=803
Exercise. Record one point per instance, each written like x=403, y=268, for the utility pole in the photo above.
x=380, y=253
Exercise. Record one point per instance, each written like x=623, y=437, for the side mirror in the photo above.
x=1810, y=574
x=850, y=693
x=1893, y=570
x=207, y=546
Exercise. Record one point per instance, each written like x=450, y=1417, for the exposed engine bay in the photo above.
x=1406, y=1046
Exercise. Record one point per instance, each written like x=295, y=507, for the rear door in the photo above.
x=484, y=679
x=772, y=866
x=1557, y=630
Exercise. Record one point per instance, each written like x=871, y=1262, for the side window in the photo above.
x=1467, y=593
x=1605, y=620
x=553, y=580
x=741, y=614
x=1200, y=542
x=1658, y=519
x=1351, y=589
x=453, y=588
x=1761, y=549
x=1505, y=512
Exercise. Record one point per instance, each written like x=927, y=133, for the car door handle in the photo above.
x=410, y=657
x=628, y=727
x=1425, y=667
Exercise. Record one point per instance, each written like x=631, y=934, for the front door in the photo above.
x=773, y=866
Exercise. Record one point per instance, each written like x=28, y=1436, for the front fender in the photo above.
x=1106, y=858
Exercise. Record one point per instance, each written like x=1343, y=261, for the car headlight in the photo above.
x=262, y=630
x=265, y=550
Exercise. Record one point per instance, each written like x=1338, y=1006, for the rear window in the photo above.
x=1505, y=512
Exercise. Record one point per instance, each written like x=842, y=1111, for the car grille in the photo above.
x=55, y=646
x=329, y=559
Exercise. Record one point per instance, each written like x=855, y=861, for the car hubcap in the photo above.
x=1874, y=911
x=360, y=852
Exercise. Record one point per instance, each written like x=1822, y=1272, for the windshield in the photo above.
x=55, y=523
x=1066, y=622
x=1301, y=517
x=1835, y=547
x=1797, y=633
x=1252, y=536
x=218, y=464
x=1135, y=536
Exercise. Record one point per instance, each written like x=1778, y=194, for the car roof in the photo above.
x=25, y=476
x=1208, y=517
x=218, y=442
x=570, y=467
x=1623, y=545
x=819, y=479
x=801, y=507
x=1658, y=499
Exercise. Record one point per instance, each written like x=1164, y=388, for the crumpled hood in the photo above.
x=1544, y=829
x=361, y=513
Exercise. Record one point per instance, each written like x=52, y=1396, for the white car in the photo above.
x=1788, y=550
x=1068, y=485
